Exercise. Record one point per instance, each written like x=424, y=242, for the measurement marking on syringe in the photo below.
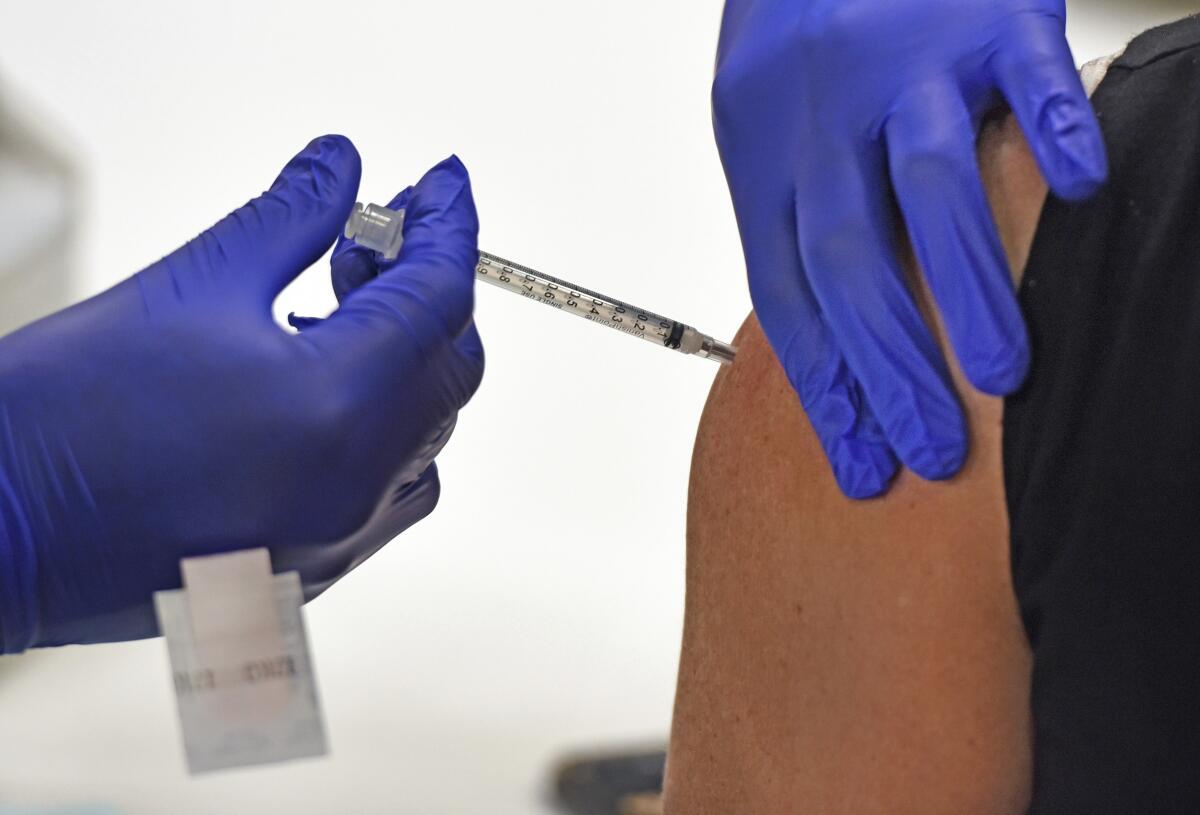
x=593, y=307
x=379, y=228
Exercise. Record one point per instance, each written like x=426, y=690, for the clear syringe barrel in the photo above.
x=382, y=230
x=628, y=319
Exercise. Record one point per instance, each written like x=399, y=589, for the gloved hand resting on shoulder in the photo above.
x=171, y=417
x=826, y=112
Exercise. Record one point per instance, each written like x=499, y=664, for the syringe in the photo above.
x=382, y=230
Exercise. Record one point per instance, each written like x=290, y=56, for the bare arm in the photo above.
x=842, y=657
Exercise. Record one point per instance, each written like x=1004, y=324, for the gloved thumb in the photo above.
x=258, y=249
x=426, y=295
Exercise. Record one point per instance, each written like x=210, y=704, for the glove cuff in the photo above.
x=18, y=559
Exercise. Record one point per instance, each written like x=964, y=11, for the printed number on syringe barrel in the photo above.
x=382, y=230
x=601, y=309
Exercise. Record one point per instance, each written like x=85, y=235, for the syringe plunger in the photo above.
x=377, y=228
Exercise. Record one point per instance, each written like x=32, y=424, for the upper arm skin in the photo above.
x=843, y=657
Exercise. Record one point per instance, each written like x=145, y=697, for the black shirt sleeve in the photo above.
x=1102, y=457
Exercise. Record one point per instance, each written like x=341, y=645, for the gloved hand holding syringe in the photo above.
x=382, y=230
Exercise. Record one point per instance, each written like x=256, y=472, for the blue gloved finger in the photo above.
x=424, y=299
x=352, y=265
x=862, y=462
x=408, y=504
x=1036, y=72
x=255, y=251
x=352, y=268
x=470, y=348
x=931, y=149
x=850, y=253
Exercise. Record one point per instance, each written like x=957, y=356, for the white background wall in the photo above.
x=540, y=607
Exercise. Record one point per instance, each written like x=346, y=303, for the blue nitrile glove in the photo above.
x=171, y=417
x=822, y=109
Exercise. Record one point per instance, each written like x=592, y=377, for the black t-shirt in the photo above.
x=1102, y=457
